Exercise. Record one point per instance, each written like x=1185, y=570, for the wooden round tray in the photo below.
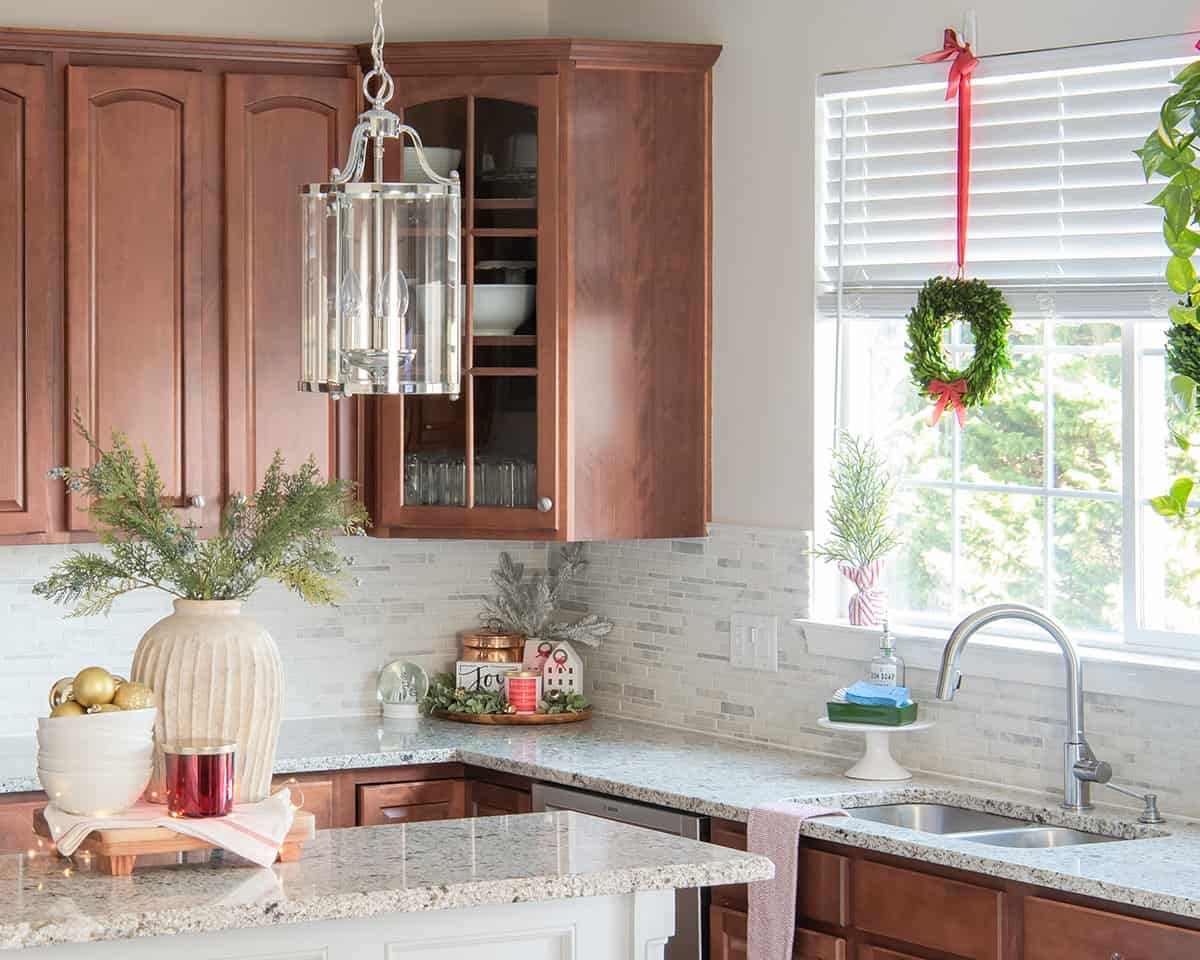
x=513, y=719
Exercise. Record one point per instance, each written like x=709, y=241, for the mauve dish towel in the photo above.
x=774, y=832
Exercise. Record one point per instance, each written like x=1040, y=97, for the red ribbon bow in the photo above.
x=959, y=84
x=948, y=394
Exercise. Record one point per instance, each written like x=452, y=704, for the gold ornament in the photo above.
x=103, y=708
x=61, y=691
x=93, y=686
x=133, y=696
x=68, y=708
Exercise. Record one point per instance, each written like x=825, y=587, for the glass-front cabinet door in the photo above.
x=487, y=460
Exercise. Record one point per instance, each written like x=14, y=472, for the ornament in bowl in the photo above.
x=217, y=673
x=96, y=749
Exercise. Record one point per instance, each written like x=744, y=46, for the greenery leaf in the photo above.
x=1190, y=72
x=1180, y=491
x=1181, y=275
x=1165, y=506
x=859, y=511
x=1182, y=243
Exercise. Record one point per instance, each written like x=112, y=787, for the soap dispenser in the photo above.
x=887, y=669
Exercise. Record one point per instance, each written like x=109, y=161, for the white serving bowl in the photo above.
x=441, y=159
x=500, y=308
x=92, y=745
x=93, y=794
x=63, y=761
x=125, y=722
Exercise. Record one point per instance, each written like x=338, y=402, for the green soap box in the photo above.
x=882, y=716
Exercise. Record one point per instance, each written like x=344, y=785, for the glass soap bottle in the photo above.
x=887, y=669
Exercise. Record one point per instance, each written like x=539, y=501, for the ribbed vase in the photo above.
x=215, y=675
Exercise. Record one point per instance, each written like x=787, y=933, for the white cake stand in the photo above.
x=877, y=762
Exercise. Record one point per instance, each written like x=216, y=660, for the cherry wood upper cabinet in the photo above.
x=135, y=324
x=586, y=171
x=280, y=132
x=26, y=334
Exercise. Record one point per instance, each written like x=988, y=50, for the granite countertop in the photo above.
x=363, y=872
x=1158, y=868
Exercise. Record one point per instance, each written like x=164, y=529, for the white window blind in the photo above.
x=1055, y=199
x=1043, y=497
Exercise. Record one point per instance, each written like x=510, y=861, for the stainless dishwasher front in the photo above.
x=688, y=942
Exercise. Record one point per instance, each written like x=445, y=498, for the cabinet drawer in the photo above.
x=727, y=939
x=1061, y=931
x=313, y=793
x=822, y=880
x=495, y=800
x=949, y=915
x=411, y=802
x=866, y=952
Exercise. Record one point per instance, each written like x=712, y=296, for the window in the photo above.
x=1043, y=497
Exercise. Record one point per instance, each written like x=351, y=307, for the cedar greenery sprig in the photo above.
x=859, y=511
x=526, y=605
x=941, y=302
x=282, y=534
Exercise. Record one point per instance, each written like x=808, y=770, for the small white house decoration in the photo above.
x=563, y=671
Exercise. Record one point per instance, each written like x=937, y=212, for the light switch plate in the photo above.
x=754, y=642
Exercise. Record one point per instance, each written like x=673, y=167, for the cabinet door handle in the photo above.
x=545, y=505
x=198, y=501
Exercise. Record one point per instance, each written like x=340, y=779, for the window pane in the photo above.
x=1088, y=334
x=1171, y=565
x=1004, y=440
x=1087, y=563
x=1087, y=421
x=1002, y=536
x=922, y=574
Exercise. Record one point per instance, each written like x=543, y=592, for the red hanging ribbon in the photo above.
x=948, y=394
x=959, y=85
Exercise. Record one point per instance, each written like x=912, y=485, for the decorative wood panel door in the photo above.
x=280, y=132
x=26, y=333
x=135, y=335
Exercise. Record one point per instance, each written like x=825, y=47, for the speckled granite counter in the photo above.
x=363, y=872
x=1158, y=869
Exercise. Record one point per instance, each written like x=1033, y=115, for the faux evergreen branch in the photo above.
x=283, y=533
x=859, y=511
x=527, y=605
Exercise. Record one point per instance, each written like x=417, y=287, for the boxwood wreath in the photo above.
x=941, y=302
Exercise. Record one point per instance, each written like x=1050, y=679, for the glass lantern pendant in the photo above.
x=381, y=297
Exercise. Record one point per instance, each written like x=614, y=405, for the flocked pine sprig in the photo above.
x=283, y=533
x=859, y=510
x=527, y=605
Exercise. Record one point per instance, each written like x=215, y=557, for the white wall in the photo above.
x=332, y=20
x=763, y=395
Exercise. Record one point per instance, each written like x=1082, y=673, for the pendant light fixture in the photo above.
x=381, y=295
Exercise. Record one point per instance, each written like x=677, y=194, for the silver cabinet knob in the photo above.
x=1116, y=956
x=545, y=505
x=198, y=502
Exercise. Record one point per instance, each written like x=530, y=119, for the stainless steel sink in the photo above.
x=1037, y=837
x=935, y=818
x=976, y=826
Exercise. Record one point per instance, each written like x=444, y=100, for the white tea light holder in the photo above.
x=877, y=762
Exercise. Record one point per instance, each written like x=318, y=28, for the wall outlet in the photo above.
x=754, y=642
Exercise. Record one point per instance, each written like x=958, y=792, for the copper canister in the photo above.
x=492, y=646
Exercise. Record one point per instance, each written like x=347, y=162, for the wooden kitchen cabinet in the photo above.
x=386, y=803
x=16, y=822
x=280, y=132
x=136, y=329
x=314, y=793
x=1065, y=931
x=495, y=800
x=27, y=296
x=586, y=171
x=727, y=939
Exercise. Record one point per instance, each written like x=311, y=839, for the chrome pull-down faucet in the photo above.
x=1081, y=768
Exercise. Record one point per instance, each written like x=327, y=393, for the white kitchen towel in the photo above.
x=254, y=831
x=774, y=832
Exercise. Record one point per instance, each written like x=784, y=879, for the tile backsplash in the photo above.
x=411, y=599
x=667, y=661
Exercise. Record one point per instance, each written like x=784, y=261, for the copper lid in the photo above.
x=492, y=639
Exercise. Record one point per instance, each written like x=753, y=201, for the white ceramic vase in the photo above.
x=215, y=675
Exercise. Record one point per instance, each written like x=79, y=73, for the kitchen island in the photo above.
x=564, y=885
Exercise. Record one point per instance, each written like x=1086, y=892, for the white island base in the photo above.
x=630, y=925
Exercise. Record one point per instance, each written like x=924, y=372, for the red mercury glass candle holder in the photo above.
x=200, y=777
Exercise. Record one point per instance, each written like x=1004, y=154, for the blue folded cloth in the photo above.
x=874, y=695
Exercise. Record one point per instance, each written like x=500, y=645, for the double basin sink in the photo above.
x=977, y=826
